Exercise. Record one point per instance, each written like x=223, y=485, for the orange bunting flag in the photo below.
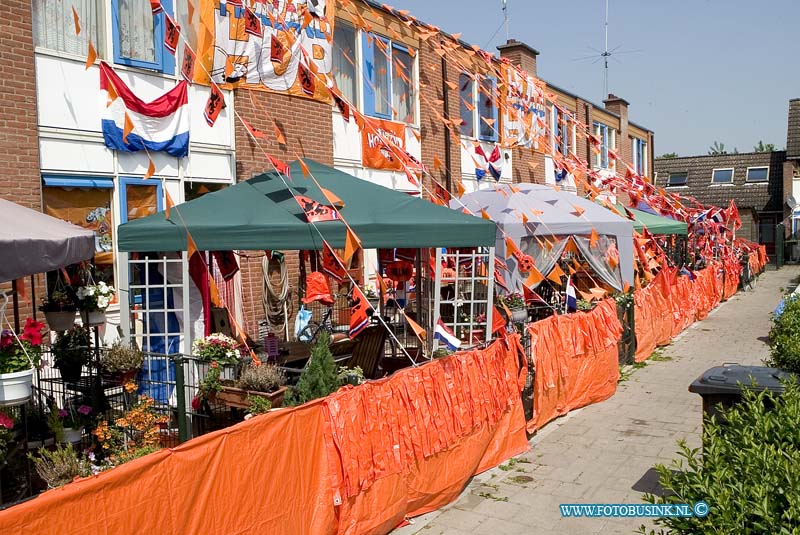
x=112, y=94
x=151, y=170
x=511, y=247
x=91, y=56
x=593, y=238
x=191, y=246
x=578, y=210
x=381, y=284
x=417, y=328
x=460, y=188
x=170, y=203
x=214, y=105
x=76, y=20
x=190, y=10
x=351, y=245
x=333, y=199
x=498, y=322
x=278, y=134
x=251, y=129
x=128, y=128
x=556, y=274
x=485, y=214
x=437, y=163
x=534, y=278
x=304, y=168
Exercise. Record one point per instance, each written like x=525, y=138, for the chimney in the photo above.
x=793, y=131
x=619, y=106
x=520, y=55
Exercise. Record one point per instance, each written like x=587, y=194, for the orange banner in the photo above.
x=356, y=462
x=375, y=153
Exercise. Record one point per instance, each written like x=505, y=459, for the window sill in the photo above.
x=677, y=187
x=759, y=183
x=727, y=185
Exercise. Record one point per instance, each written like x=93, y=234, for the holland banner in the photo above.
x=160, y=125
x=445, y=335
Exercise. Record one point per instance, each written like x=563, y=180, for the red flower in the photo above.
x=196, y=403
x=6, y=421
x=32, y=332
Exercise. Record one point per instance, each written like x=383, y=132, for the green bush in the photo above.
x=784, y=338
x=748, y=471
x=319, y=377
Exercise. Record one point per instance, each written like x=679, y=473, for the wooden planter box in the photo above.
x=237, y=397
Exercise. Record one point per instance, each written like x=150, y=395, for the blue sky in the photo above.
x=706, y=70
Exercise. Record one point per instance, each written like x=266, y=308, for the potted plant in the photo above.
x=19, y=355
x=216, y=347
x=71, y=353
x=319, y=377
x=73, y=420
x=93, y=300
x=515, y=303
x=266, y=381
x=121, y=362
x=59, y=310
x=60, y=466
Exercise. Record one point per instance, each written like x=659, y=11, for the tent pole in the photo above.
x=489, y=294
x=418, y=285
x=33, y=298
x=15, y=301
x=437, y=297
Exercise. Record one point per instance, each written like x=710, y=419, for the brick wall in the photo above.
x=307, y=127
x=19, y=145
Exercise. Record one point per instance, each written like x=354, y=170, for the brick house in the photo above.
x=56, y=159
x=759, y=182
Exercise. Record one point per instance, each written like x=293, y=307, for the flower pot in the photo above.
x=72, y=435
x=120, y=378
x=519, y=315
x=70, y=373
x=93, y=317
x=15, y=388
x=237, y=397
x=60, y=320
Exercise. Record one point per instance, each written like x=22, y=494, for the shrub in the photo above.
x=319, y=377
x=264, y=378
x=258, y=405
x=60, y=466
x=747, y=472
x=121, y=358
x=784, y=338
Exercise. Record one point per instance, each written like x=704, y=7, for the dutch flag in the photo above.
x=445, y=335
x=572, y=300
x=159, y=125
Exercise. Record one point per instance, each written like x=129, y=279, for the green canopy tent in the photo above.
x=261, y=213
x=655, y=224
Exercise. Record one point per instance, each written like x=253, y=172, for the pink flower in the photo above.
x=6, y=339
x=6, y=421
x=85, y=410
x=63, y=413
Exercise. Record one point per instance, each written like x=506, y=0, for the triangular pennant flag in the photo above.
x=485, y=214
x=534, y=278
x=511, y=247
x=190, y=10
x=278, y=134
x=304, y=168
x=76, y=20
x=578, y=210
x=112, y=94
x=332, y=199
x=151, y=170
x=351, y=245
x=127, y=129
x=556, y=274
x=251, y=129
x=437, y=163
x=417, y=328
x=91, y=56
x=460, y=188
x=593, y=238
x=191, y=246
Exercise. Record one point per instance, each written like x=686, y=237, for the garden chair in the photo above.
x=368, y=350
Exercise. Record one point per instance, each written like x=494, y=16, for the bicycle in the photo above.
x=311, y=331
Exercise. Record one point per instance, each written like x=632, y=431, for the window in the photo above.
x=722, y=176
x=195, y=190
x=640, y=156
x=139, y=35
x=86, y=202
x=605, y=135
x=478, y=107
x=344, y=60
x=467, y=104
x=389, y=79
x=757, y=174
x=562, y=132
x=677, y=179
x=139, y=198
x=54, y=29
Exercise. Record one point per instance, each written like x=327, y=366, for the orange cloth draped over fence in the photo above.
x=576, y=361
x=356, y=462
x=652, y=317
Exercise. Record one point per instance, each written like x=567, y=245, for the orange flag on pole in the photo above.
x=417, y=328
x=351, y=245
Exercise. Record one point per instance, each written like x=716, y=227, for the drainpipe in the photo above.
x=447, y=157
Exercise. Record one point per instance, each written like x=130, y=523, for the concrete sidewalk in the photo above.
x=605, y=453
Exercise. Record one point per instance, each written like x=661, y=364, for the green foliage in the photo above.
x=55, y=424
x=211, y=382
x=784, y=338
x=120, y=358
x=350, y=376
x=258, y=404
x=717, y=148
x=764, y=147
x=60, y=466
x=669, y=156
x=71, y=347
x=747, y=472
x=319, y=377
x=264, y=378
x=584, y=306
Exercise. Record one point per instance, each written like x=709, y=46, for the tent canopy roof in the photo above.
x=33, y=242
x=656, y=224
x=261, y=213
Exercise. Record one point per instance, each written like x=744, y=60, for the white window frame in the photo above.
x=747, y=175
x=714, y=171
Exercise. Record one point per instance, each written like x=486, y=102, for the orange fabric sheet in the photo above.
x=358, y=461
x=652, y=317
x=576, y=361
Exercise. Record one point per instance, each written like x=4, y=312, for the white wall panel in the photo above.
x=75, y=156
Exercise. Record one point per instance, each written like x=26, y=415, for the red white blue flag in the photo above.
x=130, y=124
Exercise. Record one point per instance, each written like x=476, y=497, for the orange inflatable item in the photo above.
x=355, y=463
x=400, y=270
x=318, y=289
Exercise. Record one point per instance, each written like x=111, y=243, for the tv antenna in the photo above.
x=505, y=16
x=606, y=54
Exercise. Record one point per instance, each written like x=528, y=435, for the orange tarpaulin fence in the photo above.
x=576, y=361
x=356, y=462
